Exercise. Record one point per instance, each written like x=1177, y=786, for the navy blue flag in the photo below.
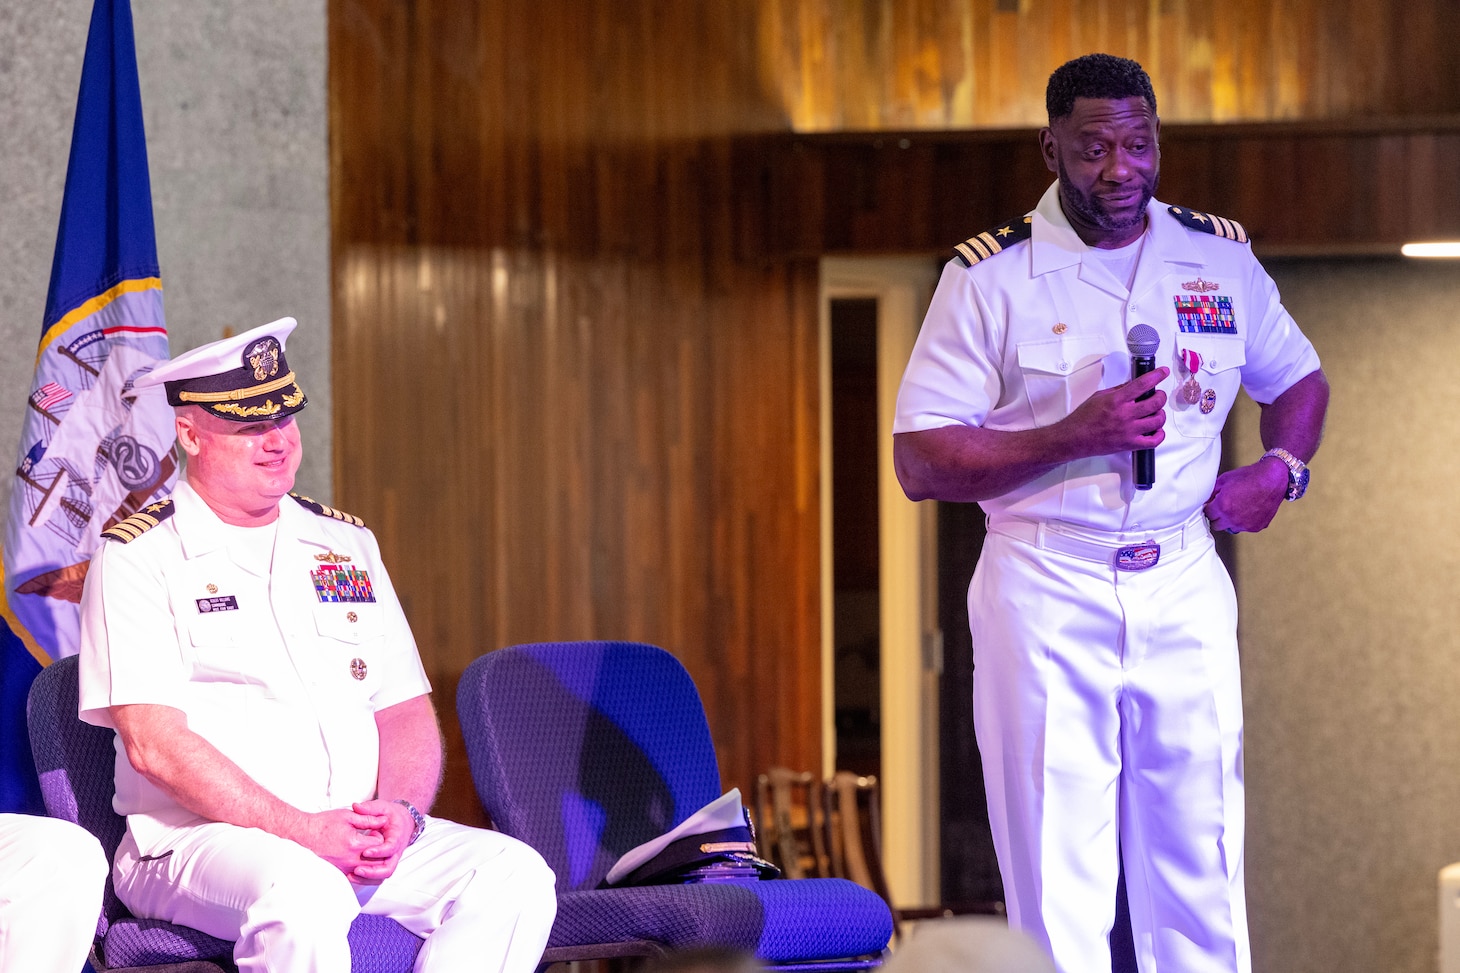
x=20, y=792
x=93, y=450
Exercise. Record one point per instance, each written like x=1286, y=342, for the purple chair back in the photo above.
x=625, y=756
x=585, y=750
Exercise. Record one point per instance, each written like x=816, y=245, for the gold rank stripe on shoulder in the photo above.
x=325, y=511
x=1210, y=223
x=983, y=245
x=140, y=522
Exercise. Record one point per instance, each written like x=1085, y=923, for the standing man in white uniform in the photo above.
x=277, y=747
x=1107, y=698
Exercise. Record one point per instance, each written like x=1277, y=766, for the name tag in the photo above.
x=221, y=603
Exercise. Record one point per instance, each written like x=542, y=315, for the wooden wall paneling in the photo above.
x=1435, y=182
x=935, y=64
x=599, y=444
x=1423, y=48
x=1178, y=37
x=1297, y=188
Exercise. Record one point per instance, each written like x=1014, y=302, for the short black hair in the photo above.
x=1096, y=76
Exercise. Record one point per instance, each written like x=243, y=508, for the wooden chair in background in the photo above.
x=791, y=811
x=853, y=815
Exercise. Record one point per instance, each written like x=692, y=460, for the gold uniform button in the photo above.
x=351, y=617
x=358, y=669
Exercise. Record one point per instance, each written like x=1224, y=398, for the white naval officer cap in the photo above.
x=244, y=378
x=718, y=833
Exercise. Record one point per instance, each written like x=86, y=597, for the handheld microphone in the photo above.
x=1142, y=340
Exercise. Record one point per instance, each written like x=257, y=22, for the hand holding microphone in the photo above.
x=1142, y=340
x=1126, y=417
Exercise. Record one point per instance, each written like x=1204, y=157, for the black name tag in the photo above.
x=222, y=603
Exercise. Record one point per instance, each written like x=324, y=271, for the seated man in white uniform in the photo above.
x=51, y=878
x=277, y=745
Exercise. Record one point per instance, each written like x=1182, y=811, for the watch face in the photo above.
x=1298, y=486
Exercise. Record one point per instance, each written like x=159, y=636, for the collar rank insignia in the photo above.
x=333, y=583
x=324, y=511
x=140, y=522
x=1209, y=223
x=983, y=245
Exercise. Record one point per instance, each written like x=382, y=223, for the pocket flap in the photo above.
x=214, y=628
x=352, y=622
x=1062, y=356
x=1218, y=354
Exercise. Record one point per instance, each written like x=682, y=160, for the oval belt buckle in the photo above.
x=1137, y=557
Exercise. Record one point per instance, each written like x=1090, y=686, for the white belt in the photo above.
x=1126, y=550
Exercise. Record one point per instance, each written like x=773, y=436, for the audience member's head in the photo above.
x=706, y=960
x=973, y=945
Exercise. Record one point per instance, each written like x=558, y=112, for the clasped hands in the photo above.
x=365, y=840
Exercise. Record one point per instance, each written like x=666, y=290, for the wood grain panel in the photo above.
x=1298, y=189
x=583, y=447
x=939, y=64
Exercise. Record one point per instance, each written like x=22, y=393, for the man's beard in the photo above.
x=1087, y=209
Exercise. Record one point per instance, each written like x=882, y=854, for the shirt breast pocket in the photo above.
x=222, y=653
x=1219, y=377
x=352, y=639
x=1061, y=374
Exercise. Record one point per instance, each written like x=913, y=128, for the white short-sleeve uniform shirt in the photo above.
x=280, y=662
x=1021, y=338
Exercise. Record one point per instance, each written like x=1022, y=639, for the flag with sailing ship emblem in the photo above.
x=93, y=451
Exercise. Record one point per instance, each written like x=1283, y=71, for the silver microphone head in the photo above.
x=1143, y=340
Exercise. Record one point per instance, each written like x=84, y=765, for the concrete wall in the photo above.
x=233, y=95
x=1349, y=625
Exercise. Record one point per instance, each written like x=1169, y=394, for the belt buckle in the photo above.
x=1137, y=557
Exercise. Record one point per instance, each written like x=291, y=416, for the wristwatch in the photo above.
x=1297, y=472
x=416, y=816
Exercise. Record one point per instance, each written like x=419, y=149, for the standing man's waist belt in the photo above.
x=1125, y=550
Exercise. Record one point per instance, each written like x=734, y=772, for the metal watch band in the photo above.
x=416, y=816
x=1297, y=470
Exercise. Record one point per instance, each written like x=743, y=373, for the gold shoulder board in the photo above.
x=140, y=522
x=983, y=245
x=324, y=511
x=1209, y=223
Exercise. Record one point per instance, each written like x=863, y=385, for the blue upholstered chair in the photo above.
x=75, y=761
x=585, y=750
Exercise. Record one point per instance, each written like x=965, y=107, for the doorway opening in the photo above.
x=880, y=641
x=856, y=602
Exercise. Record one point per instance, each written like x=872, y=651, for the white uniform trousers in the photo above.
x=1108, y=711
x=482, y=901
x=51, y=877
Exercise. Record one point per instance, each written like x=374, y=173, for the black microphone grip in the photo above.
x=1143, y=342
